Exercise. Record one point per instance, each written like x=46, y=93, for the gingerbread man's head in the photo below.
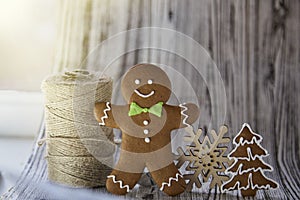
x=146, y=85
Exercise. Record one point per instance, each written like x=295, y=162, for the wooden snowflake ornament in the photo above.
x=205, y=158
x=248, y=167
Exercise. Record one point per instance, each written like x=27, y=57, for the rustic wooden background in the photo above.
x=255, y=45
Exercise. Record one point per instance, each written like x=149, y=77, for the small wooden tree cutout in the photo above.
x=248, y=167
x=205, y=159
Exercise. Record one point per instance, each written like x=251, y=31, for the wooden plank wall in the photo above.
x=255, y=45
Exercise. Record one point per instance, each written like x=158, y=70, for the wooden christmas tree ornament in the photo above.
x=248, y=167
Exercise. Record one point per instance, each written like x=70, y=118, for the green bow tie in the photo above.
x=136, y=109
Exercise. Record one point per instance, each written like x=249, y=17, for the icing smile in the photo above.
x=144, y=95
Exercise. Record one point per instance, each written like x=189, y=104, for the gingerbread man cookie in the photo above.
x=146, y=123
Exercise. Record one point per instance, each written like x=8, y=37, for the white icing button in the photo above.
x=147, y=140
x=150, y=81
x=137, y=81
x=146, y=131
x=145, y=122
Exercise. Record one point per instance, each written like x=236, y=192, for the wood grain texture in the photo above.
x=255, y=45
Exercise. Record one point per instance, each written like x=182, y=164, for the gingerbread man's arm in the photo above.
x=104, y=115
x=183, y=115
x=189, y=114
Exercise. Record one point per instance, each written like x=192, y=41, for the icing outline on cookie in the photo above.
x=242, y=141
x=170, y=180
x=121, y=182
x=249, y=185
x=183, y=114
x=102, y=123
x=144, y=95
x=240, y=171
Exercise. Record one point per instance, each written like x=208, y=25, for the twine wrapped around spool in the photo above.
x=79, y=152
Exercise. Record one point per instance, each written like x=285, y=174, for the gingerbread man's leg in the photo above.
x=169, y=180
x=125, y=175
x=119, y=182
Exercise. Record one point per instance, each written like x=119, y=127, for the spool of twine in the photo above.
x=79, y=151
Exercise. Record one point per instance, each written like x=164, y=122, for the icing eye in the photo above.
x=137, y=81
x=150, y=81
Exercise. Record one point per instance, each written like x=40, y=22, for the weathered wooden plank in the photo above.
x=255, y=45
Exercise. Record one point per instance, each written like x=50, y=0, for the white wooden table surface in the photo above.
x=14, y=154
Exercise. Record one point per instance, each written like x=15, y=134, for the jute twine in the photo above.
x=79, y=152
